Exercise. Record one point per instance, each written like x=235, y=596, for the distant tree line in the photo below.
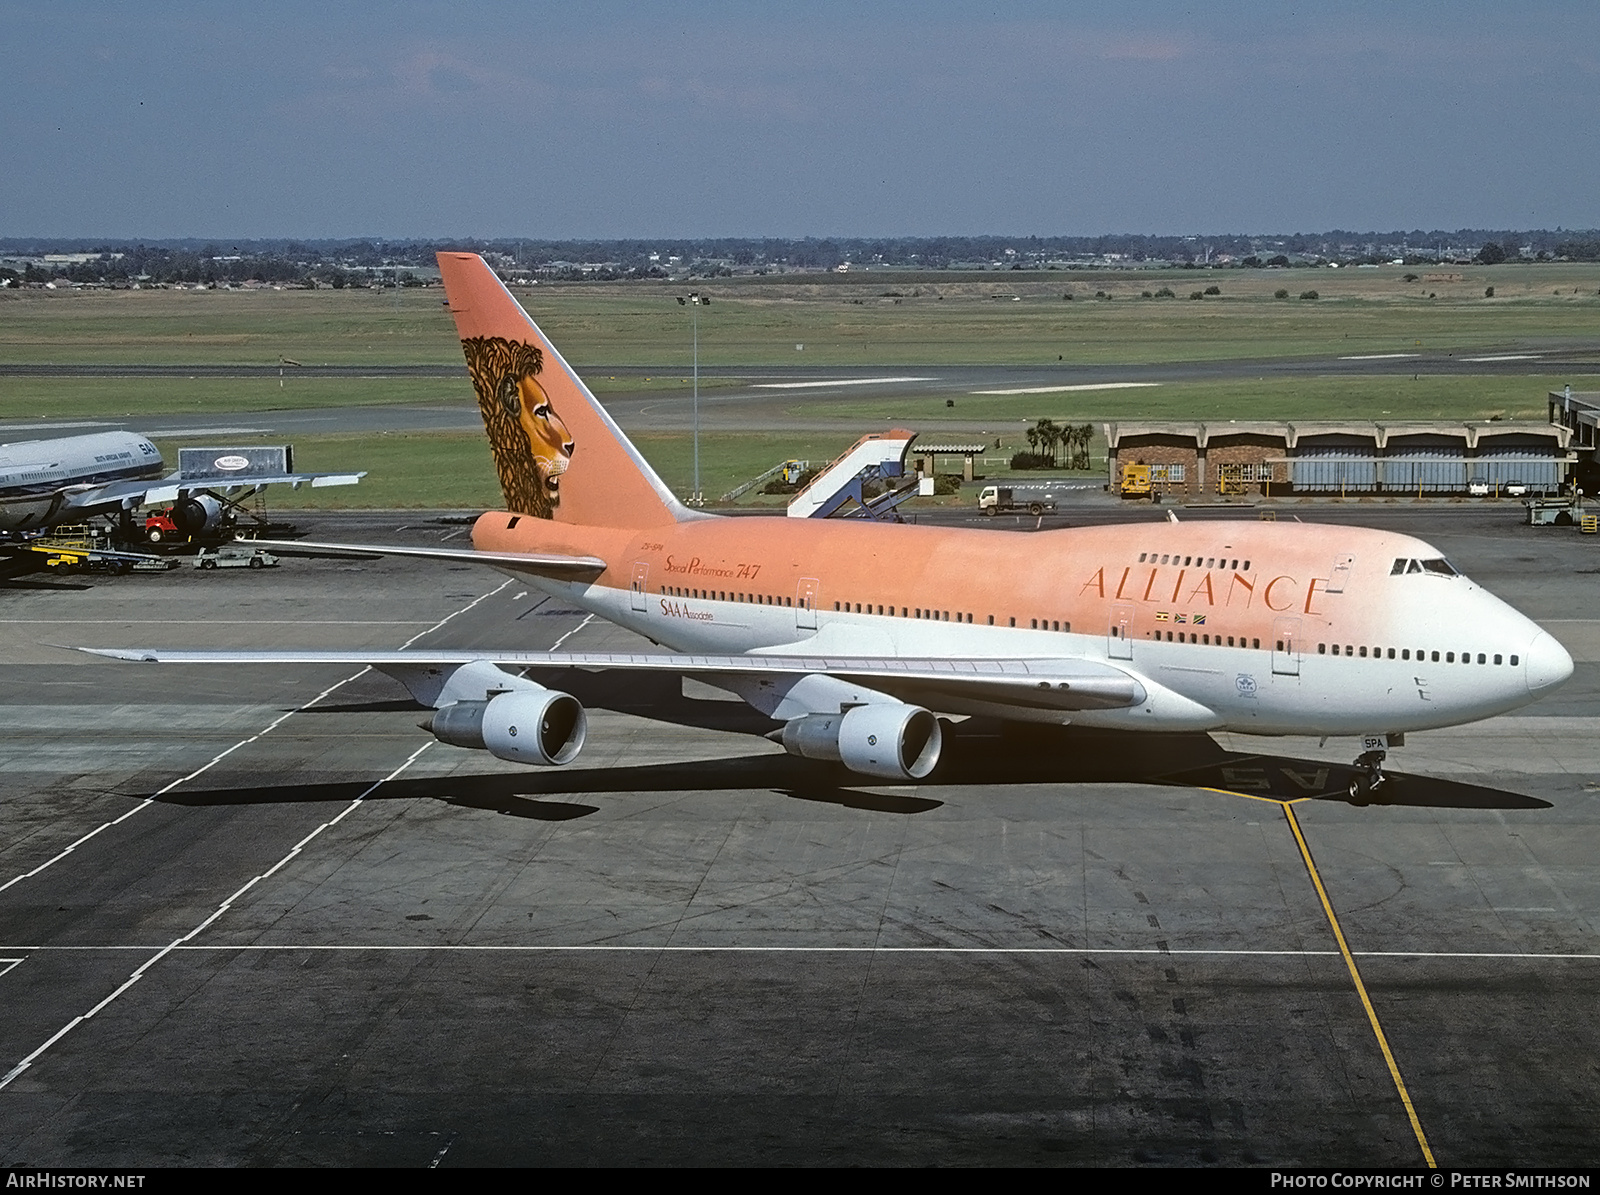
x=375, y=261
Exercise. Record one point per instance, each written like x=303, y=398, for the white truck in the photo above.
x=1035, y=499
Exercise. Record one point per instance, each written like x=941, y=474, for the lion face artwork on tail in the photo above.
x=531, y=445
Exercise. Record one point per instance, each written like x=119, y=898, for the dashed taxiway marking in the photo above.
x=1379, y=356
x=176, y=943
x=244, y=742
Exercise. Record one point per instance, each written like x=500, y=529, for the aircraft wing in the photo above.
x=1061, y=683
x=156, y=492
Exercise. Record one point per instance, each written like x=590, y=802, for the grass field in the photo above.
x=454, y=469
x=888, y=319
x=893, y=319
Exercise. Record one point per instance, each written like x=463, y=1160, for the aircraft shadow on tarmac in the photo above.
x=976, y=753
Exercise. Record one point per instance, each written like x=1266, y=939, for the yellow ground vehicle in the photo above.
x=1135, y=481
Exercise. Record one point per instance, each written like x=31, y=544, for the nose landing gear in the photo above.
x=1364, y=786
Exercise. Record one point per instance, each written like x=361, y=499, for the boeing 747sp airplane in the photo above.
x=855, y=636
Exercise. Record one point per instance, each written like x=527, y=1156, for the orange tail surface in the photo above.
x=558, y=453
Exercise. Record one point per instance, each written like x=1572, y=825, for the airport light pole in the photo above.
x=696, y=301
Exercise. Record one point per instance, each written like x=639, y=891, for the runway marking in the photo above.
x=836, y=382
x=1379, y=356
x=228, y=622
x=228, y=903
x=1361, y=988
x=245, y=742
x=1065, y=951
x=587, y=619
x=155, y=958
x=6, y=964
x=1508, y=357
x=1071, y=389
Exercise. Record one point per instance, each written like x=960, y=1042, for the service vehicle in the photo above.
x=235, y=556
x=1035, y=499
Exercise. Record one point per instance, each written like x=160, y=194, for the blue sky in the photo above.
x=848, y=119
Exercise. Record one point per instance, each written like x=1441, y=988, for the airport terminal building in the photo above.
x=1193, y=460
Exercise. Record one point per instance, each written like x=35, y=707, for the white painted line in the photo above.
x=1508, y=357
x=216, y=759
x=837, y=382
x=7, y=428
x=587, y=619
x=176, y=943
x=6, y=964
x=226, y=622
x=1072, y=389
x=1380, y=356
x=1149, y=951
x=167, y=433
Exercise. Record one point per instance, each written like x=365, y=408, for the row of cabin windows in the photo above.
x=719, y=595
x=1379, y=653
x=1203, y=638
x=1187, y=561
x=1036, y=624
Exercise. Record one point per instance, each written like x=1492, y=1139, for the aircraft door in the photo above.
x=1119, y=646
x=1286, y=646
x=1340, y=573
x=805, y=604
x=641, y=571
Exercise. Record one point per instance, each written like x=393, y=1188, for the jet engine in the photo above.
x=197, y=514
x=894, y=741
x=534, y=726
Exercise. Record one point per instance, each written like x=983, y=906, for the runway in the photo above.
x=770, y=398
x=255, y=916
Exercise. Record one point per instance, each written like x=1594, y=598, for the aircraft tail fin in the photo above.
x=559, y=454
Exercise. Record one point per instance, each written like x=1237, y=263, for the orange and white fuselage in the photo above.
x=1266, y=628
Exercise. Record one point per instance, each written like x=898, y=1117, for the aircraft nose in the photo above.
x=1546, y=665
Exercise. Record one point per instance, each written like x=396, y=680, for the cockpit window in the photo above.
x=1440, y=567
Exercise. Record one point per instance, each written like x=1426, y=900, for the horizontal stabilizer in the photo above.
x=544, y=564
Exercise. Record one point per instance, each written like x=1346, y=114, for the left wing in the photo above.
x=1056, y=684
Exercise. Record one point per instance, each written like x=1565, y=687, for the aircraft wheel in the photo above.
x=1035, y=509
x=1360, y=790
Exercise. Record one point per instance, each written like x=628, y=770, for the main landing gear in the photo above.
x=1365, y=785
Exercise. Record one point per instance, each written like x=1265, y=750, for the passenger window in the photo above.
x=1322, y=649
x=1435, y=657
x=1497, y=658
x=1391, y=653
x=1363, y=652
x=1405, y=654
x=1481, y=658
x=1513, y=661
x=1449, y=657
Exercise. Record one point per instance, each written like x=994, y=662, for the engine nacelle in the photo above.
x=895, y=741
x=535, y=726
x=197, y=514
